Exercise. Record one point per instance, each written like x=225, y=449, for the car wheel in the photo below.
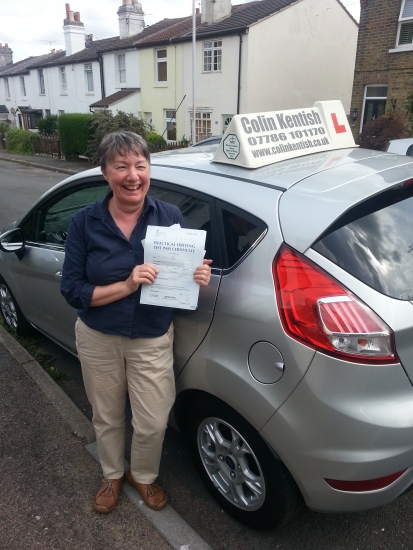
x=11, y=313
x=238, y=467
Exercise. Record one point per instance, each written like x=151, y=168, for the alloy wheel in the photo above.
x=231, y=464
x=8, y=309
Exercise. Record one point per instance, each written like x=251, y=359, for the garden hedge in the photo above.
x=73, y=133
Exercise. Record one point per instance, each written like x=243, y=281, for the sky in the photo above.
x=33, y=27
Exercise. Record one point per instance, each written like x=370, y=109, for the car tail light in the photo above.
x=322, y=313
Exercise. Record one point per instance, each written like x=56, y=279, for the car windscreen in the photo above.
x=374, y=242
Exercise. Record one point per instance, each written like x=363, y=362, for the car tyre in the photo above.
x=11, y=312
x=238, y=467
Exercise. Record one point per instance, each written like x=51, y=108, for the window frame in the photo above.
x=63, y=80
x=7, y=87
x=32, y=217
x=42, y=87
x=89, y=84
x=211, y=201
x=402, y=21
x=22, y=86
x=161, y=61
x=202, y=117
x=167, y=121
x=215, y=58
x=222, y=205
x=121, y=68
x=372, y=98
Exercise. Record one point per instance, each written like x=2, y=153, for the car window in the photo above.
x=195, y=211
x=54, y=216
x=241, y=231
x=374, y=242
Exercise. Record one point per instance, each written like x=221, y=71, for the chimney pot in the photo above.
x=1, y=44
x=6, y=45
x=77, y=16
x=67, y=10
x=197, y=11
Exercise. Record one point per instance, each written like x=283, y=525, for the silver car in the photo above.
x=294, y=375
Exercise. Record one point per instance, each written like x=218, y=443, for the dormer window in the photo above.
x=405, y=34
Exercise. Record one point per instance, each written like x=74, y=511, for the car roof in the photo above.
x=316, y=189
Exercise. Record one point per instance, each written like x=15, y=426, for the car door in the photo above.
x=198, y=211
x=38, y=272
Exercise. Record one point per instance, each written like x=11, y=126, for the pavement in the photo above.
x=49, y=463
x=47, y=163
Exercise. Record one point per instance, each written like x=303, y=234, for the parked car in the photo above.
x=294, y=375
x=211, y=140
x=401, y=146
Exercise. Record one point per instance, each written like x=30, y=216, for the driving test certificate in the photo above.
x=176, y=253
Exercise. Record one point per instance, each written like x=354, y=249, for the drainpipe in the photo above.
x=239, y=73
x=102, y=76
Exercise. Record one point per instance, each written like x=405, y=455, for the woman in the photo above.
x=123, y=345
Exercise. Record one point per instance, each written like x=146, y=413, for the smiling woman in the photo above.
x=123, y=345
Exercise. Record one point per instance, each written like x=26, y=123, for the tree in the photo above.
x=103, y=122
x=377, y=133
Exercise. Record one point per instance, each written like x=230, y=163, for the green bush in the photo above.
x=153, y=139
x=377, y=133
x=103, y=122
x=73, y=132
x=20, y=141
x=47, y=126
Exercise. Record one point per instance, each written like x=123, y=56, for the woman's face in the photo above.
x=129, y=179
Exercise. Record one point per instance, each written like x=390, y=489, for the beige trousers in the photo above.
x=113, y=365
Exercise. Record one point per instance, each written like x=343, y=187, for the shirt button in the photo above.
x=130, y=251
x=133, y=299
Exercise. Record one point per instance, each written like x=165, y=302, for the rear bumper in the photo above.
x=346, y=421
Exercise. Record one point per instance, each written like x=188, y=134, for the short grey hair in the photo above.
x=121, y=143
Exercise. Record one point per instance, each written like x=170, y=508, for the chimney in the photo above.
x=6, y=55
x=74, y=31
x=131, y=21
x=215, y=10
x=197, y=11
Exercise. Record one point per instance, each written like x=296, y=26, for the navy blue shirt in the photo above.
x=98, y=254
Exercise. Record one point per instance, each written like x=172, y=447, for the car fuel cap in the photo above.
x=265, y=362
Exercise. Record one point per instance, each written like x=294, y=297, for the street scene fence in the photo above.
x=46, y=145
x=50, y=146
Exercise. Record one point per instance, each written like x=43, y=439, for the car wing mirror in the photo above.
x=12, y=241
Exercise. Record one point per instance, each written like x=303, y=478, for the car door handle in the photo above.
x=58, y=274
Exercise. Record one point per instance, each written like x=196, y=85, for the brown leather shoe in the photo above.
x=153, y=496
x=107, y=496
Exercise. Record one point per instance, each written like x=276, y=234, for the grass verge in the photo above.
x=40, y=355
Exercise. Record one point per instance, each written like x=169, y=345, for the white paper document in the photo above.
x=176, y=253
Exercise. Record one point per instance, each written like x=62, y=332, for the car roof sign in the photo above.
x=259, y=139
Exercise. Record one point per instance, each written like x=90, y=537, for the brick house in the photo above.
x=384, y=60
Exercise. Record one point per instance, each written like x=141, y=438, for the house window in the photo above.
x=63, y=81
x=212, y=56
x=7, y=87
x=161, y=66
x=48, y=112
x=374, y=102
x=41, y=82
x=89, y=78
x=170, y=125
x=405, y=35
x=22, y=86
x=226, y=119
x=61, y=112
x=202, y=125
x=122, y=69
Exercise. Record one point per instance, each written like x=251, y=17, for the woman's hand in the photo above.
x=141, y=274
x=202, y=273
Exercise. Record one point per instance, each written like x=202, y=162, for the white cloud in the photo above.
x=33, y=28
